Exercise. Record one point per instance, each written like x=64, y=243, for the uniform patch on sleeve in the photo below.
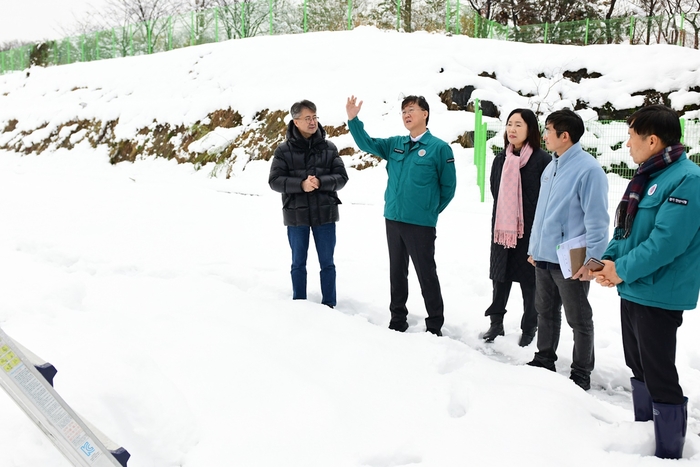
x=682, y=201
x=450, y=160
x=400, y=151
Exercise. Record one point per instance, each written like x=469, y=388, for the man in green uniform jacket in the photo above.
x=421, y=184
x=653, y=260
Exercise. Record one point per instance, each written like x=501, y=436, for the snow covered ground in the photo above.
x=163, y=296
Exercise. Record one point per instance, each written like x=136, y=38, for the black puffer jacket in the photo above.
x=294, y=161
x=510, y=264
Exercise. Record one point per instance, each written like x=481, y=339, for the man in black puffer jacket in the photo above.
x=308, y=171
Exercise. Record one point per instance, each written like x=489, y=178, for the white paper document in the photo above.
x=564, y=254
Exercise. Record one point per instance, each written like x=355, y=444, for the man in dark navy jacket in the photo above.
x=308, y=171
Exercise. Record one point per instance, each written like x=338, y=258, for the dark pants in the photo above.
x=324, y=239
x=418, y=243
x=649, y=341
x=553, y=291
x=501, y=292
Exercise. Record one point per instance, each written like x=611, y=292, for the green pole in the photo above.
x=482, y=162
x=170, y=33
x=2, y=63
x=97, y=45
x=304, y=15
x=270, y=8
x=216, y=22
x=476, y=25
x=192, y=28
x=682, y=130
x=349, y=15
x=67, y=51
x=82, y=47
x=546, y=29
x=458, y=22
x=398, y=14
x=114, y=43
x=131, y=41
x=244, y=33
x=680, y=29
x=447, y=16
x=585, y=40
x=631, y=29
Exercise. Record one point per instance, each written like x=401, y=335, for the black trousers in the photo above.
x=418, y=243
x=553, y=291
x=649, y=342
x=501, y=292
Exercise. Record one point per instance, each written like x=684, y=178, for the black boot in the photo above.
x=527, y=337
x=641, y=401
x=495, y=330
x=670, y=422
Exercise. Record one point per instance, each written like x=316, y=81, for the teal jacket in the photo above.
x=658, y=262
x=422, y=179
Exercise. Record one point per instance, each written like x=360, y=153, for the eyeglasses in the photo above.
x=309, y=119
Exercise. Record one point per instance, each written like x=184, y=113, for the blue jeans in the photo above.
x=324, y=238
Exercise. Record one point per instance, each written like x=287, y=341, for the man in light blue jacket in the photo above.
x=653, y=260
x=573, y=201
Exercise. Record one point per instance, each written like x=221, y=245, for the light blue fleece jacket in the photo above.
x=573, y=201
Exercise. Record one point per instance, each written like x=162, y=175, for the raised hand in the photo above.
x=352, y=107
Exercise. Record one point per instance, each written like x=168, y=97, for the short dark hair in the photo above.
x=297, y=107
x=420, y=100
x=569, y=121
x=657, y=120
x=533, y=128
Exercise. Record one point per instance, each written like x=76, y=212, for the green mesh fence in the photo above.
x=606, y=140
x=258, y=17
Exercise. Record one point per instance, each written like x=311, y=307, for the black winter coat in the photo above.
x=294, y=160
x=510, y=264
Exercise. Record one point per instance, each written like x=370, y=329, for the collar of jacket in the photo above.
x=294, y=136
x=423, y=139
x=570, y=154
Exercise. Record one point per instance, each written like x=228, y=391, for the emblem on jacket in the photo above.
x=400, y=151
x=421, y=153
x=652, y=189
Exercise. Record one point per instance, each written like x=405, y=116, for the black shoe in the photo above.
x=582, y=381
x=437, y=332
x=527, y=337
x=329, y=305
x=400, y=326
x=494, y=331
x=538, y=364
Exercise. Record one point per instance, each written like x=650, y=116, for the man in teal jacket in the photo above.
x=653, y=260
x=421, y=184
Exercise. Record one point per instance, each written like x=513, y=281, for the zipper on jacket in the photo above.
x=549, y=194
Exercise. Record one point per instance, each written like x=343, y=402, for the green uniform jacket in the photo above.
x=658, y=262
x=422, y=179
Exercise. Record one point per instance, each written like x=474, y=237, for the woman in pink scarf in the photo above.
x=515, y=185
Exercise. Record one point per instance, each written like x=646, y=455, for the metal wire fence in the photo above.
x=682, y=30
x=271, y=17
x=606, y=140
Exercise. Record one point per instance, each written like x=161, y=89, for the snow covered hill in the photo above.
x=163, y=296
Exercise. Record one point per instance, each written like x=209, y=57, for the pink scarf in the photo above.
x=509, y=226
